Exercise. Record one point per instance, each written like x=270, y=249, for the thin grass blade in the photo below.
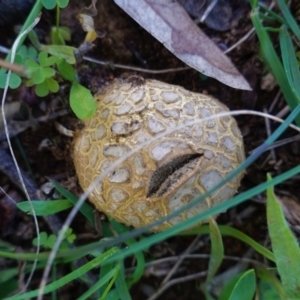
x=104, y=280
x=85, y=209
x=77, y=274
x=273, y=61
x=289, y=59
x=232, y=232
x=289, y=18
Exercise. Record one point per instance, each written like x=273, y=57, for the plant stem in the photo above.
x=35, y=11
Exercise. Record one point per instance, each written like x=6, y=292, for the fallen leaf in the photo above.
x=169, y=23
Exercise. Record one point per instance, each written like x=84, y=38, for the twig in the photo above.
x=13, y=67
x=180, y=260
x=176, y=281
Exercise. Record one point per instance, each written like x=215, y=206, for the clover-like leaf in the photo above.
x=42, y=89
x=43, y=239
x=38, y=76
x=25, y=53
x=60, y=34
x=46, y=61
x=31, y=66
x=48, y=72
x=52, y=84
x=14, y=81
x=62, y=3
x=49, y=4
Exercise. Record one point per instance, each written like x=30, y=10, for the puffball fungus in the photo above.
x=168, y=172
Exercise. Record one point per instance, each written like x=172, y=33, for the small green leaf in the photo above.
x=52, y=85
x=50, y=61
x=60, y=34
x=43, y=239
x=63, y=3
x=228, y=287
x=245, y=287
x=65, y=52
x=31, y=52
x=284, y=246
x=31, y=65
x=48, y=72
x=42, y=89
x=22, y=51
x=38, y=76
x=29, y=83
x=3, y=77
x=42, y=57
x=65, y=32
x=15, y=81
x=19, y=59
x=50, y=241
x=82, y=102
x=49, y=4
x=56, y=37
x=45, y=208
x=66, y=70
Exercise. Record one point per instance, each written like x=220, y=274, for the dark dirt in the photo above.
x=125, y=42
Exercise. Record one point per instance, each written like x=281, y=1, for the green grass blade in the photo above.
x=270, y=14
x=232, y=232
x=34, y=13
x=289, y=18
x=122, y=287
x=104, y=270
x=274, y=63
x=104, y=280
x=284, y=245
x=85, y=209
x=289, y=60
x=77, y=274
x=140, y=259
x=112, y=281
x=245, y=287
x=217, y=250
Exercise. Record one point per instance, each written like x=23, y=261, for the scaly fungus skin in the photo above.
x=170, y=171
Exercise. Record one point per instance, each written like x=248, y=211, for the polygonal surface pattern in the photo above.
x=171, y=170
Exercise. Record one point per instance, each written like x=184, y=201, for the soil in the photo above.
x=47, y=152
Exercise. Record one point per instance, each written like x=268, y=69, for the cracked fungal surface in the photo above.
x=169, y=172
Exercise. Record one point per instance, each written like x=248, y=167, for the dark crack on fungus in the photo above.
x=161, y=178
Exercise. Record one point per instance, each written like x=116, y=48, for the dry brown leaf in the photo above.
x=169, y=23
x=87, y=22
